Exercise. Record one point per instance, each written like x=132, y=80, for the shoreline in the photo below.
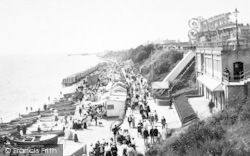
x=5, y=118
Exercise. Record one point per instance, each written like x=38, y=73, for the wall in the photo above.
x=229, y=57
x=118, y=108
x=210, y=59
x=248, y=90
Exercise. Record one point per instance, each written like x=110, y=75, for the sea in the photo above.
x=32, y=80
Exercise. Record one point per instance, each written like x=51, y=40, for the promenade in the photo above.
x=171, y=116
x=101, y=132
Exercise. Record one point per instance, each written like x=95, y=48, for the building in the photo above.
x=223, y=63
x=115, y=106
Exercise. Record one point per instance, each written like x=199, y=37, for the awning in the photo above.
x=219, y=88
x=210, y=83
x=160, y=85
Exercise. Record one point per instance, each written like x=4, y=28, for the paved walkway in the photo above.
x=171, y=116
x=87, y=136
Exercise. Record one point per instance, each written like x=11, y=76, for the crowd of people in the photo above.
x=138, y=94
x=122, y=145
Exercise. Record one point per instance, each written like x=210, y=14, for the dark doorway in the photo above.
x=238, y=70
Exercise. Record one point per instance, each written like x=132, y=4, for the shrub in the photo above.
x=161, y=67
x=175, y=56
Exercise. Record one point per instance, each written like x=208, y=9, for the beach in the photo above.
x=28, y=80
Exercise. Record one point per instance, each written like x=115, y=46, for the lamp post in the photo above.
x=237, y=36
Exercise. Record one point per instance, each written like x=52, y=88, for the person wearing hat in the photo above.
x=155, y=132
x=151, y=133
x=145, y=135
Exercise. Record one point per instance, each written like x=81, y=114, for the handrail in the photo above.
x=184, y=72
x=241, y=77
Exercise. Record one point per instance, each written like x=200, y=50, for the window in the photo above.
x=238, y=70
x=198, y=65
x=217, y=69
x=110, y=107
x=208, y=65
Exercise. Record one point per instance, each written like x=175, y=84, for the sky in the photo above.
x=79, y=26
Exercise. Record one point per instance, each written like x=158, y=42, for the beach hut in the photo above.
x=118, y=91
x=92, y=80
x=119, y=84
x=115, y=105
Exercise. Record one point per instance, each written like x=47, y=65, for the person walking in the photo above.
x=156, y=116
x=95, y=120
x=152, y=119
x=151, y=133
x=129, y=120
x=155, y=132
x=145, y=136
x=80, y=111
x=139, y=129
x=171, y=100
x=115, y=130
x=148, y=108
x=133, y=121
x=163, y=122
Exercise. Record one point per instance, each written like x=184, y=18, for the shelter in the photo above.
x=160, y=86
x=115, y=105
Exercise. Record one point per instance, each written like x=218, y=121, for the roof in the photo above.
x=119, y=83
x=160, y=85
x=119, y=89
x=210, y=83
x=117, y=98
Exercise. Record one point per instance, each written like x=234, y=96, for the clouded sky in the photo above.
x=77, y=26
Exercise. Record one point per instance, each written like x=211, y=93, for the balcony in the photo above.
x=223, y=46
x=236, y=77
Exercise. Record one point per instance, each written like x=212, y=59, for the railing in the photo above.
x=223, y=45
x=236, y=77
x=226, y=76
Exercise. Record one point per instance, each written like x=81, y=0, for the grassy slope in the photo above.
x=225, y=133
